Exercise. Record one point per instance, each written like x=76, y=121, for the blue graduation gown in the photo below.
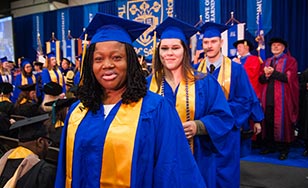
x=17, y=83
x=77, y=78
x=240, y=96
x=243, y=102
x=46, y=78
x=161, y=156
x=216, y=153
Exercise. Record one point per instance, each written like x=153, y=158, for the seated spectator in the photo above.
x=26, y=104
x=6, y=107
x=24, y=166
x=56, y=121
x=52, y=91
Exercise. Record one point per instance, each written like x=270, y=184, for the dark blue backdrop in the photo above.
x=289, y=21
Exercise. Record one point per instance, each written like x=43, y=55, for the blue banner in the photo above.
x=151, y=12
x=63, y=24
x=68, y=49
x=235, y=33
x=38, y=29
x=210, y=10
x=54, y=46
x=89, y=12
x=255, y=6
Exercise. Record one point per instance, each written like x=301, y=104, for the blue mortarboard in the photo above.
x=3, y=59
x=174, y=28
x=25, y=61
x=51, y=54
x=105, y=27
x=211, y=29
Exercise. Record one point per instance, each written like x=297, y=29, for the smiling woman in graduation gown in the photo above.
x=120, y=134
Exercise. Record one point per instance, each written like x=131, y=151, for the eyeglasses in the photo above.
x=49, y=140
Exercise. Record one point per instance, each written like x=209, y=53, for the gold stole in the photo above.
x=181, y=101
x=118, y=147
x=29, y=160
x=23, y=101
x=24, y=79
x=53, y=76
x=3, y=99
x=224, y=76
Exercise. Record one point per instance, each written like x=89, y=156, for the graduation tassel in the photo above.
x=83, y=55
x=53, y=113
x=154, y=51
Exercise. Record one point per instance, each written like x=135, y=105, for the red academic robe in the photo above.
x=252, y=66
x=286, y=95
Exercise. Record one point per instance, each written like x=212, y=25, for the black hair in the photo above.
x=90, y=91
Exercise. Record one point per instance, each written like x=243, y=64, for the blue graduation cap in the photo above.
x=174, y=28
x=25, y=61
x=211, y=29
x=3, y=59
x=51, y=54
x=105, y=27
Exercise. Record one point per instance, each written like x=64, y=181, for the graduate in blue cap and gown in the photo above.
x=52, y=72
x=25, y=77
x=26, y=103
x=120, y=134
x=200, y=102
x=237, y=89
x=5, y=74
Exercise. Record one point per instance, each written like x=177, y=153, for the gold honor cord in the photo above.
x=186, y=96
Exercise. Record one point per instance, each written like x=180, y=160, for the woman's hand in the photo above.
x=190, y=129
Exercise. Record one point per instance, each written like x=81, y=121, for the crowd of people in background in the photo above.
x=179, y=123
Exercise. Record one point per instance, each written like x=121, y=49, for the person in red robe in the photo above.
x=252, y=65
x=279, y=99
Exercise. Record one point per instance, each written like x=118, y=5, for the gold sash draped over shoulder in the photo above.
x=224, y=76
x=181, y=101
x=118, y=146
x=53, y=76
x=24, y=79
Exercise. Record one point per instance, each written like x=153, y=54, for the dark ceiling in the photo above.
x=5, y=5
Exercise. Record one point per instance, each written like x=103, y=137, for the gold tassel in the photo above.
x=154, y=51
x=83, y=55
